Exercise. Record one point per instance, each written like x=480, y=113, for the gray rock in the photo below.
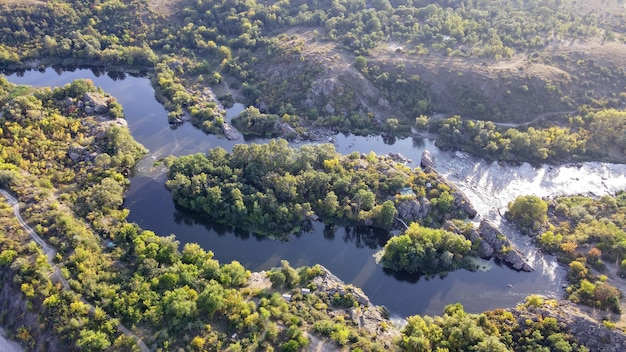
x=413, y=209
x=484, y=250
x=286, y=131
x=488, y=231
x=97, y=101
x=514, y=258
x=77, y=153
x=450, y=226
x=474, y=236
x=426, y=162
x=501, y=247
x=461, y=201
x=230, y=132
x=399, y=157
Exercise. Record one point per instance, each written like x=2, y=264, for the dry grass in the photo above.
x=602, y=7
x=163, y=7
x=23, y=2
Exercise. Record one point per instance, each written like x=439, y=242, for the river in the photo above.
x=348, y=252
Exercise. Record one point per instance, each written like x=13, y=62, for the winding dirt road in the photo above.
x=56, y=274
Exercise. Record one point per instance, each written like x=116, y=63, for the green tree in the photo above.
x=360, y=63
x=529, y=213
x=90, y=340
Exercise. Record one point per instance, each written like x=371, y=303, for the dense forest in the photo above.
x=272, y=188
x=588, y=135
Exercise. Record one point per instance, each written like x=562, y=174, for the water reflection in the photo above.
x=365, y=237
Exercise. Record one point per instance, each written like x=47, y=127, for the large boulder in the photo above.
x=230, y=132
x=516, y=260
x=286, y=131
x=413, y=209
x=95, y=102
x=462, y=202
x=494, y=243
x=484, y=250
x=426, y=162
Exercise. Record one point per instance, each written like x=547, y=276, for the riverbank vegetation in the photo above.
x=427, y=251
x=528, y=327
x=588, y=234
x=235, y=48
x=590, y=134
x=273, y=190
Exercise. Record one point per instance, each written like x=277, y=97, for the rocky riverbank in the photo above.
x=460, y=199
x=489, y=241
x=367, y=317
x=590, y=333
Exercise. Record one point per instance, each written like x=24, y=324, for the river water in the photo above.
x=348, y=252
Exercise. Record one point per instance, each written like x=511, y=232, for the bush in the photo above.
x=529, y=213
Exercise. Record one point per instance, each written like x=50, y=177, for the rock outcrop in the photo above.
x=414, y=209
x=591, y=334
x=95, y=103
x=494, y=243
x=368, y=317
x=286, y=131
x=16, y=311
x=426, y=162
x=397, y=157
x=230, y=132
x=78, y=153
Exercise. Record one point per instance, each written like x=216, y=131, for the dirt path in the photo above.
x=537, y=118
x=56, y=274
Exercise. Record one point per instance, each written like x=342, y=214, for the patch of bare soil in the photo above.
x=259, y=281
x=616, y=280
x=24, y=2
x=517, y=89
x=163, y=7
x=601, y=7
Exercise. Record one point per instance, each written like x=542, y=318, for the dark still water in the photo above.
x=347, y=252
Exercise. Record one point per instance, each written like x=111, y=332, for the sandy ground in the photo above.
x=7, y=345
